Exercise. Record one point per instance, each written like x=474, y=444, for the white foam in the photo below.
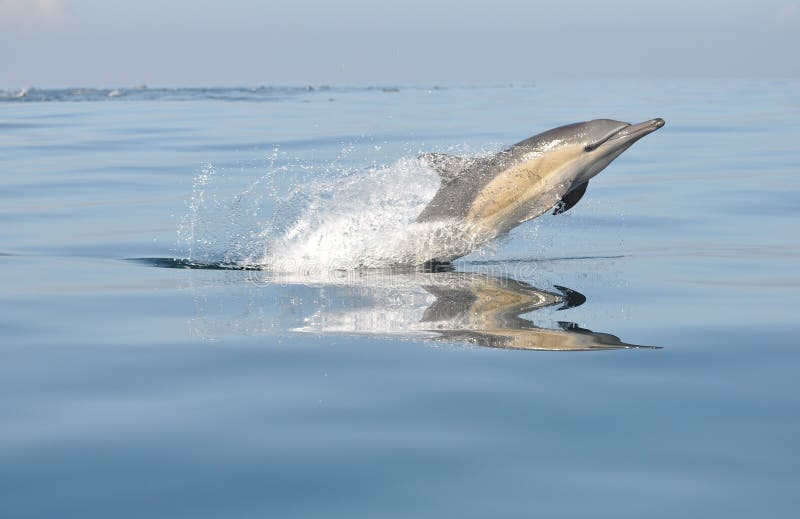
x=323, y=220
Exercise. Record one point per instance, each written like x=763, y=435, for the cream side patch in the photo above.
x=519, y=185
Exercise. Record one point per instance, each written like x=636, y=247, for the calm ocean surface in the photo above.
x=131, y=388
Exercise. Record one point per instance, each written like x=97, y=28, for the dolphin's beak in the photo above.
x=634, y=132
x=626, y=135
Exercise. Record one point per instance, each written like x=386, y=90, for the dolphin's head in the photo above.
x=603, y=140
x=608, y=136
x=590, y=146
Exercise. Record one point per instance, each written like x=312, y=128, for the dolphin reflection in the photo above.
x=487, y=311
x=444, y=306
x=458, y=307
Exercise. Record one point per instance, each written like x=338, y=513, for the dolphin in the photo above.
x=487, y=197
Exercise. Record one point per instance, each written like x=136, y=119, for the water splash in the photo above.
x=305, y=217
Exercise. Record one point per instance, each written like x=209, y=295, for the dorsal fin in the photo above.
x=449, y=167
x=569, y=200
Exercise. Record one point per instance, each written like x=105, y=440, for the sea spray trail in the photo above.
x=309, y=217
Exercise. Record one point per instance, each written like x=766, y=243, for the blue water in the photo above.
x=131, y=386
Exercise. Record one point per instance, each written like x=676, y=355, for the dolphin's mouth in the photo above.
x=628, y=134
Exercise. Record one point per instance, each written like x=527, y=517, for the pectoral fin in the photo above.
x=449, y=167
x=569, y=200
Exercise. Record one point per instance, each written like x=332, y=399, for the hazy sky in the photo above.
x=248, y=42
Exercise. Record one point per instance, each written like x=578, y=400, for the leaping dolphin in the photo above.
x=487, y=197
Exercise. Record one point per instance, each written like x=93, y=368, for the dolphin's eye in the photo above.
x=589, y=147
